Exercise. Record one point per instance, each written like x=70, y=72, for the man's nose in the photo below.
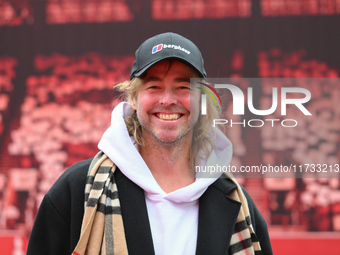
x=168, y=97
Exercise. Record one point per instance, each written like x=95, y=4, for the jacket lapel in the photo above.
x=217, y=217
x=135, y=216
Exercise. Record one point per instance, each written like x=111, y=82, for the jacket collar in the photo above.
x=217, y=216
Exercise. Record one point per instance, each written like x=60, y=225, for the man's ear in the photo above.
x=133, y=103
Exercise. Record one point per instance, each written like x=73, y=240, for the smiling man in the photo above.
x=141, y=195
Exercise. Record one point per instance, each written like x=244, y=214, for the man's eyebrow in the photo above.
x=183, y=79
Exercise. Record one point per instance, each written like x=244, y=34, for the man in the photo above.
x=141, y=196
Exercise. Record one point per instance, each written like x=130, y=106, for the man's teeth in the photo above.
x=163, y=116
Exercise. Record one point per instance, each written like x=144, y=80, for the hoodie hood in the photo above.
x=123, y=151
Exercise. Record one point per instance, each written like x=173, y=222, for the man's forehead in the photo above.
x=172, y=66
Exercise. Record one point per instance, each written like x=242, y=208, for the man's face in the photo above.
x=163, y=102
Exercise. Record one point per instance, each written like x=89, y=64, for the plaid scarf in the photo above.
x=243, y=241
x=102, y=230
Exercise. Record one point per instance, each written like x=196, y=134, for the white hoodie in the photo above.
x=173, y=216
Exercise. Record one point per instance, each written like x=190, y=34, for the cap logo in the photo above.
x=157, y=48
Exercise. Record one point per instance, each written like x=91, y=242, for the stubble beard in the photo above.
x=174, y=147
x=153, y=138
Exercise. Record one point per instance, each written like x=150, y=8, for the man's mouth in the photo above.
x=168, y=117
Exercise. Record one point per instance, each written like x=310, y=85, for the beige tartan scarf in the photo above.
x=243, y=241
x=102, y=230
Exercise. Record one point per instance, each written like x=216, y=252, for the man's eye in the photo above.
x=184, y=88
x=153, y=87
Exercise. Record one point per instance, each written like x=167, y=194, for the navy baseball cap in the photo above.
x=167, y=46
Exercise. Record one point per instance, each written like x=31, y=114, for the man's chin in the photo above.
x=171, y=140
x=166, y=137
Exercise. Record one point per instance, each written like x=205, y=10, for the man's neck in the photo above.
x=168, y=163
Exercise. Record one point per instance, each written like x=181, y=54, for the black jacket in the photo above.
x=57, y=226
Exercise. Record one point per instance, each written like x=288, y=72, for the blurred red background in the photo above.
x=60, y=59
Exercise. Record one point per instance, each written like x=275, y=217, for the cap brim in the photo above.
x=143, y=70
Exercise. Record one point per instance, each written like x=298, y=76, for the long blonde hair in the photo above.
x=202, y=139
